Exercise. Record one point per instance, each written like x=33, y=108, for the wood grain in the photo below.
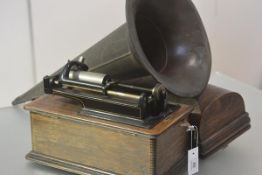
x=223, y=118
x=91, y=145
x=60, y=133
x=220, y=116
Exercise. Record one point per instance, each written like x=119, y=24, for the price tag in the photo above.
x=193, y=161
x=193, y=152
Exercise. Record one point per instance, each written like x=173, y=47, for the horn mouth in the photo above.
x=152, y=42
x=169, y=40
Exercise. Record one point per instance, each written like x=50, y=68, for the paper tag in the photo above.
x=193, y=161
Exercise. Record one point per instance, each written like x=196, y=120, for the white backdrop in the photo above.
x=64, y=28
x=15, y=50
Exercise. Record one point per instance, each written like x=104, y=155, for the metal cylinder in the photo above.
x=89, y=77
x=123, y=95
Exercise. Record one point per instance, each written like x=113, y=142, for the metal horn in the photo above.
x=164, y=39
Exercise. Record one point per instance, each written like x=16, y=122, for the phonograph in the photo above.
x=136, y=101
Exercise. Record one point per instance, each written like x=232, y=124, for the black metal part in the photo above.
x=110, y=100
x=104, y=103
x=147, y=123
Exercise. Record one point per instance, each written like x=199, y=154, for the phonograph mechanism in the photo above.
x=103, y=98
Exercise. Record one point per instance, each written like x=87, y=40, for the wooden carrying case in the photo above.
x=63, y=139
x=221, y=117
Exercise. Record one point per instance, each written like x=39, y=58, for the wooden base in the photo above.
x=64, y=165
x=82, y=169
x=64, y=139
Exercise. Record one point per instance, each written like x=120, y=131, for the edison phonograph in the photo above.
x=137, y=100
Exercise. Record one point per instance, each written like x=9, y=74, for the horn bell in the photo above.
x=169, y=40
